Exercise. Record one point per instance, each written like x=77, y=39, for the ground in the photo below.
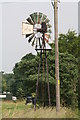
x=11, y=109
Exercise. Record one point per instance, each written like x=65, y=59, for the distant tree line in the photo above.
x=25, y=73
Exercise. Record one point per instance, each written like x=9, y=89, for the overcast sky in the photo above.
x=13, y=46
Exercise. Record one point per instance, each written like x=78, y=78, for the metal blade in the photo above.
x=35, y=17
x=28, y=35
x=47, y=35
x=36, y=44
x=49, y=31
x=48, y=46
x=44, y=17
x=39, y=17
x=40, y=43
x=30, y=38
x=47, y=20
x=38, y=20
x=32, y=17
x=49, y=26
x=29, y=20
x=33, y=41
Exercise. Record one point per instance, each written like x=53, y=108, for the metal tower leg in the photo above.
x=37, y=84
x=48, y=82
x=37, y=81
x=43, y=93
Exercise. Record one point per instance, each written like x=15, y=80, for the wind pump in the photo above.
x=37, y=30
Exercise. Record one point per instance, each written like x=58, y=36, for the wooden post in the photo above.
x=56, y=56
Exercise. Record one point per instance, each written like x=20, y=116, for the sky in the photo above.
x=13, y=46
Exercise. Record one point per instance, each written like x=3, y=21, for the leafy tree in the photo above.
x=79, y=72
x=7, y=81
x=69, y=79
x=69, y=43
x=20, y=92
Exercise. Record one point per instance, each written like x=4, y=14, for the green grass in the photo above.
x=0, y=109
x=20, y=110
x=79, y=114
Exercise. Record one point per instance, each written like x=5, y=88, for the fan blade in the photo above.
x=47, y=35
x=39, y=17
x=35, y=17
x=49, y=26
x=47, y=20
x=29, y=20
x=36, y=44
x=32, y=17
x=28, y=35
x=30, y=38
x=33, y=41
x=44, y=17
x=40, y=43
x=49, y=31
x=46, y=38
x=38, y=21
x=40, y=14
x=48, y=46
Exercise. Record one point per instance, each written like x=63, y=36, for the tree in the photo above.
x=7, y=81
x=69, y=43
x=79, y=72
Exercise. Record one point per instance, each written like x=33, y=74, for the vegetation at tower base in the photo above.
x=23, y=81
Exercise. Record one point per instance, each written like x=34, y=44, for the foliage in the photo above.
x=7, y=81
x=69, y=43
x=79, y=72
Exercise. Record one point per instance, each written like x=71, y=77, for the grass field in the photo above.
x=0, y=109
x=20, y=110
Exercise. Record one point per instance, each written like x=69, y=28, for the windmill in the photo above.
x=37, y=31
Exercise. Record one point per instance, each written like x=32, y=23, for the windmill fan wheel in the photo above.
x=41, y=26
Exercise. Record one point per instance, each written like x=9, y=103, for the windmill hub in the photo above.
x=38, y=35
